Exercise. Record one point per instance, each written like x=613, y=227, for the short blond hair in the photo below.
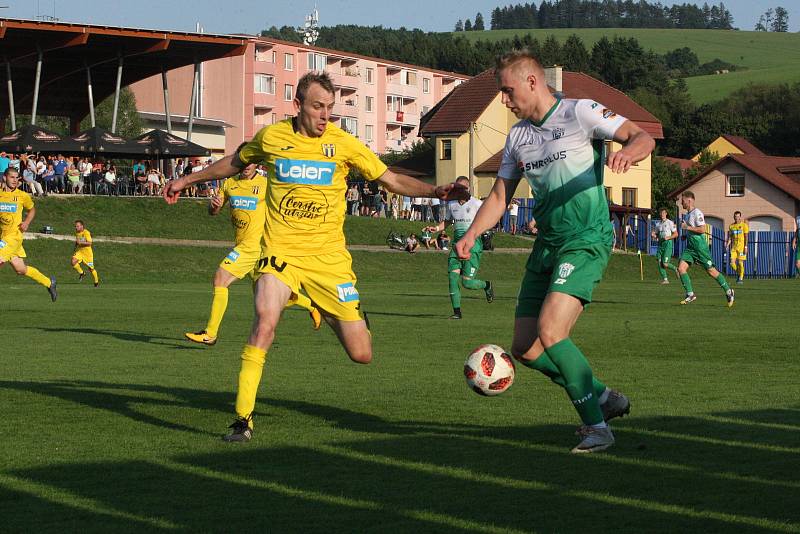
x=688, y=194
x=516, y=57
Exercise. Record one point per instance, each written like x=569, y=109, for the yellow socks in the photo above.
x=253, y=360
x=77, y=267
x=218, y=306
x=95, y=276
x=34, y=274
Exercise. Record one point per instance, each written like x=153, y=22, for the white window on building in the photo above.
x=264, y=84
x=265, y=54
x=370, y=75
x=408, y=77
x=369, y=103
x=629, y=196
x=288, y=61
x=317, y=62
x=350, y=125
x=394, y=103
x=426, y=85
x=287, y=116
x=735, y=185
x=369, y=132
x=447, y=149
x=288, y=92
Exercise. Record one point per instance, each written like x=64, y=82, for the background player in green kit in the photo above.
x=697, y=251
x=666, y=232
x=462, y=213
x=558, y=147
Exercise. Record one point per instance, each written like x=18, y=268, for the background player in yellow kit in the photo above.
x=12, y=203
x=84, y=253
x=307, y=159
x=246, y=194
x=737, y=245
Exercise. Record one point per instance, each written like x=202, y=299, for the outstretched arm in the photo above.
x=411, y=187
x=223, y=168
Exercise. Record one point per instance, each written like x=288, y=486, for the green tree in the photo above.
x=468, y=26
x=129, y=124
x=665, y=177
x=478, y=22
x=459, y=26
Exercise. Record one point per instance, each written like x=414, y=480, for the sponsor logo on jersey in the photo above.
x=232, y=256
x=304, y=208
x=8, y=207
x=2, y=244
x=538, y=164
x=347, y=292
x=329, y=150
x=300, y=171
x=558, y=133
x=244, y=203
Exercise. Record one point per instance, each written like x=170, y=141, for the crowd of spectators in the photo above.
x=369, y=200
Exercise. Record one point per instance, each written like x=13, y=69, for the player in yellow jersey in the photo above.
x=737, y=245
x=246, y=194
x=307, y=160
x=84, y=253
x=12, y=203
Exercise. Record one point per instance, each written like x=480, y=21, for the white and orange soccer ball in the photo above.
x=489, y=370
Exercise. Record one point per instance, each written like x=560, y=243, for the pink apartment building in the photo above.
x=379, y=101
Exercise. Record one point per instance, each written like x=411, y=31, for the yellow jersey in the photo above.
x=248, y=201
x=11, y=205
x=307, y=181
x=84, y=237
x=737, y=231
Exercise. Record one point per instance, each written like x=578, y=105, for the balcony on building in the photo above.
x=401, y=111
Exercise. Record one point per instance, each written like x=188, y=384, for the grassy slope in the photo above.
x=111, y=421
x=152, y=217
x=769, y=57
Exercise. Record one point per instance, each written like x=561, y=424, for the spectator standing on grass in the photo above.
x=435, y=209
x=28, y=164
x=395, y=208
x=405, y=213
x=352, y=200
x=60, y=169
x=49, y=179
x=513, y=210
x=74, y=179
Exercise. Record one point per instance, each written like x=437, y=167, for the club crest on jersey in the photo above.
x=329, y=150
x=558, y=133
x=347, y=292
x=565, y=269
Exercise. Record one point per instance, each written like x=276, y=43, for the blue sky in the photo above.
x=250, y=16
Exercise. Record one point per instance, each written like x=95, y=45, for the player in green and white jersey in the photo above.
x=697, y=251
x=558, y=146
x=461, y=214
x=666, y=231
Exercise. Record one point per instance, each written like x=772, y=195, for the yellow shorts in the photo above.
x=327, y=279
x=11, y=248
x=240, y=262
x=738, y=254
x=85, y=256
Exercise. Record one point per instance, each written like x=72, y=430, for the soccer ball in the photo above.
x=489, y=370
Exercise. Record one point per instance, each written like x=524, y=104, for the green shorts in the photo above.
x=468, y=268
x=699, y=256
x=664, y=253
x=797, y=253
x=575, y=268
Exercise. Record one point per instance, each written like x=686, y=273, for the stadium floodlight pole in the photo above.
x=116, y=95
x=89, y=91
x=166, y=99
x=36, y=82
x=193, y=102
x=10, y=95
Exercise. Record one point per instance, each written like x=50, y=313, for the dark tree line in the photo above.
x=773, y=20
x=610, y=14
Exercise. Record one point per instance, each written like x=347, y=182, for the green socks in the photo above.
x=578, y=380
x=455, y=291
x=723, y=283
x=545, y=365
x=687, y=283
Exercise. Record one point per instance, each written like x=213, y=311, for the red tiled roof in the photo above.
x=684, y=164
x=743, y=144
x=469, y=100
x=463, y=106
x=767, y=167
x=491, y=165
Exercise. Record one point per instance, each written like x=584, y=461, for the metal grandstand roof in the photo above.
x=68, y=47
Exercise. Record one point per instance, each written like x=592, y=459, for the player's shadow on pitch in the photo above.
x=127, y=399
x=136, y=337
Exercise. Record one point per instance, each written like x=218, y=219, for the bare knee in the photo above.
x=683, y=268
x=263, y=331
x=549, y=335
x=362, y=355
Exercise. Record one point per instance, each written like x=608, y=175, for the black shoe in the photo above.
x=52, y=289
x=80, y=277
x=455, y=316
x=97, y=283
x=240, y=430
x=489, y=291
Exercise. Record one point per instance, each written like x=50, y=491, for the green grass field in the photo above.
x=111, y=421
x=769, y=57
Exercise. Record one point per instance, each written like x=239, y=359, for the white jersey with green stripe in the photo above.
x=562, y=157
x=462, y=215
x=698, y=241
x=664, y=229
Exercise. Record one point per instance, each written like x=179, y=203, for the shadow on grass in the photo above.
x=138, y=337
x=675, y=474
